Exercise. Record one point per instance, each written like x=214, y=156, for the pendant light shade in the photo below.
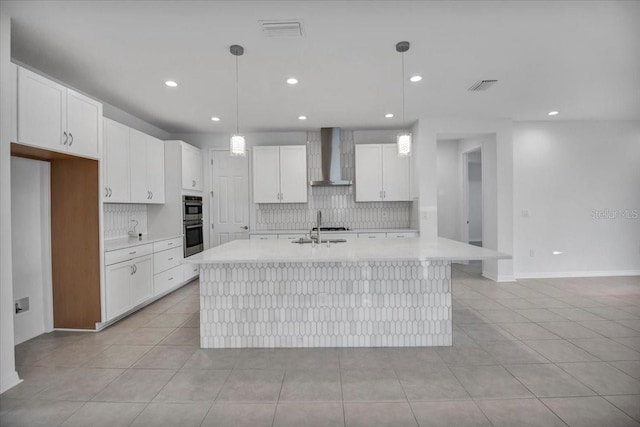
x=237, y=144
x=403, y=140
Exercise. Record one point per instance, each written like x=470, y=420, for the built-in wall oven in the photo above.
x=193, y=228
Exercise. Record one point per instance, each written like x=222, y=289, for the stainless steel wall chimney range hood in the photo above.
x=330, y=150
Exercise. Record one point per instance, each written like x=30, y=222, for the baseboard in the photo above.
x=498, y=278
x=9, y=381
x=562, y=274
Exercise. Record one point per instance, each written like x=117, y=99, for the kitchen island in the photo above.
x=363, y=293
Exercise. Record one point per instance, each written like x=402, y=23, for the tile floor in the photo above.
x=549, y=352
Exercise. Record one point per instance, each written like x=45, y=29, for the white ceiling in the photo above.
x=581, y=58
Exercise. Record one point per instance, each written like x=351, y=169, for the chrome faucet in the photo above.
x=317, y=237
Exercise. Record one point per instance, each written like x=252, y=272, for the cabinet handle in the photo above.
x=170, y=278
x=170, y=243
x=170, y=259
x=106, y=192
x=151, y=194
x=71, y=140
x=384, y=194
x=135, y=268
x=66, y=138
x=110, y=191
x=246, y=227
x=131, y=253
x=131, y=266
x=193, y=183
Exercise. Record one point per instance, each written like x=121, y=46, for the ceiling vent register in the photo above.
x=482, y=85
x=282, y=28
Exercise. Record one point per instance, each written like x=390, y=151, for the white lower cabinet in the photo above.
x=263, y=237
x=190, y=271
x=128, y=284
x=136, y=275
x=372, y=235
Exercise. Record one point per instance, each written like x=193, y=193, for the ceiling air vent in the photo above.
x=282, y=28
x=482, y=85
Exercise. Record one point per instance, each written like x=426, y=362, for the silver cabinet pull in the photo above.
x=131, y=253
x=151, y=194
x=384, y=194
x=193, y=183
x=170, y=243
x=106, y=192
x=135, y=268
x=71, y=140
x=245, y=227
x=381, y=194
x=110, y=191
x=170, y=259
x=170, y=278
x=131, y=266
x=66, y=138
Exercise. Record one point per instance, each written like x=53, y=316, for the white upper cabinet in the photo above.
x=115, y=162
x=280, y=174
x=192, y=176
x=381, y=175
x=146, y=157
x=396, y=175
x=52, y=117
x=133, y=166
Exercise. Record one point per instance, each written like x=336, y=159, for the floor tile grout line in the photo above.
x=344, y=412
x=621, y=409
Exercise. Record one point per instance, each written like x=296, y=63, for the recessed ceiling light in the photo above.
x=302, y=117
x=415, y=78
x=388, y=115
x=292, y=81
x=171, y=83
x=215, y=119
x=552, y=113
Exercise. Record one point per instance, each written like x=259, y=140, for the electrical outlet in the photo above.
x=532, y=253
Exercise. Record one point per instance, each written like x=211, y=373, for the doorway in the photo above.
x=472, y=197
x=31, y=248
x=229, y=202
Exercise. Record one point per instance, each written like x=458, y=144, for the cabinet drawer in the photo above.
x=113, y=257
x=190, y=271
x=166, y=280
x=167, y=244
x=263, y=236
x=402, y=234
x=166, y=259
x=371, y=235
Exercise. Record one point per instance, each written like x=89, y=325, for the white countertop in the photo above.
x=407, y=249
x=127, y=242
x=361, y=230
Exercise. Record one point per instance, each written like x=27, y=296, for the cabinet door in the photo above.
x=138, y=167
x=293, y=174
x=116, y=162
x=155, y=170
x=117, y=282
x=368, y=173
x=141, y=280
x=84, y=116
x=266, y=175
x=191, y=168
x=42, y=111
x=395, y=175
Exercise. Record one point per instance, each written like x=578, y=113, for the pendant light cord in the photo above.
x=237, y=101
x=404, y=123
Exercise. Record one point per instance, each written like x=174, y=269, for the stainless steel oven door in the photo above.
x=191, y=208
x=193, y=238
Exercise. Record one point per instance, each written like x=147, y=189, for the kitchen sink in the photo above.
x=302, y=241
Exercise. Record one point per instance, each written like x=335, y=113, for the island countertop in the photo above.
x=407, y=249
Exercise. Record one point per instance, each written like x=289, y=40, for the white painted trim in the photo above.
x=561, y=274
x=9, y=381
x=45, y=221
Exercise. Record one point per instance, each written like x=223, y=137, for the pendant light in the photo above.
x=237, y=144
x=403, y=140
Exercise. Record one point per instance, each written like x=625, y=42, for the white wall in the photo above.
x=448, y=165
x=8, y=375
x=31, y=245
x=564, y=171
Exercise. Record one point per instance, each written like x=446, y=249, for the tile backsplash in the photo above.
x=117, y=219
x=338, y=204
